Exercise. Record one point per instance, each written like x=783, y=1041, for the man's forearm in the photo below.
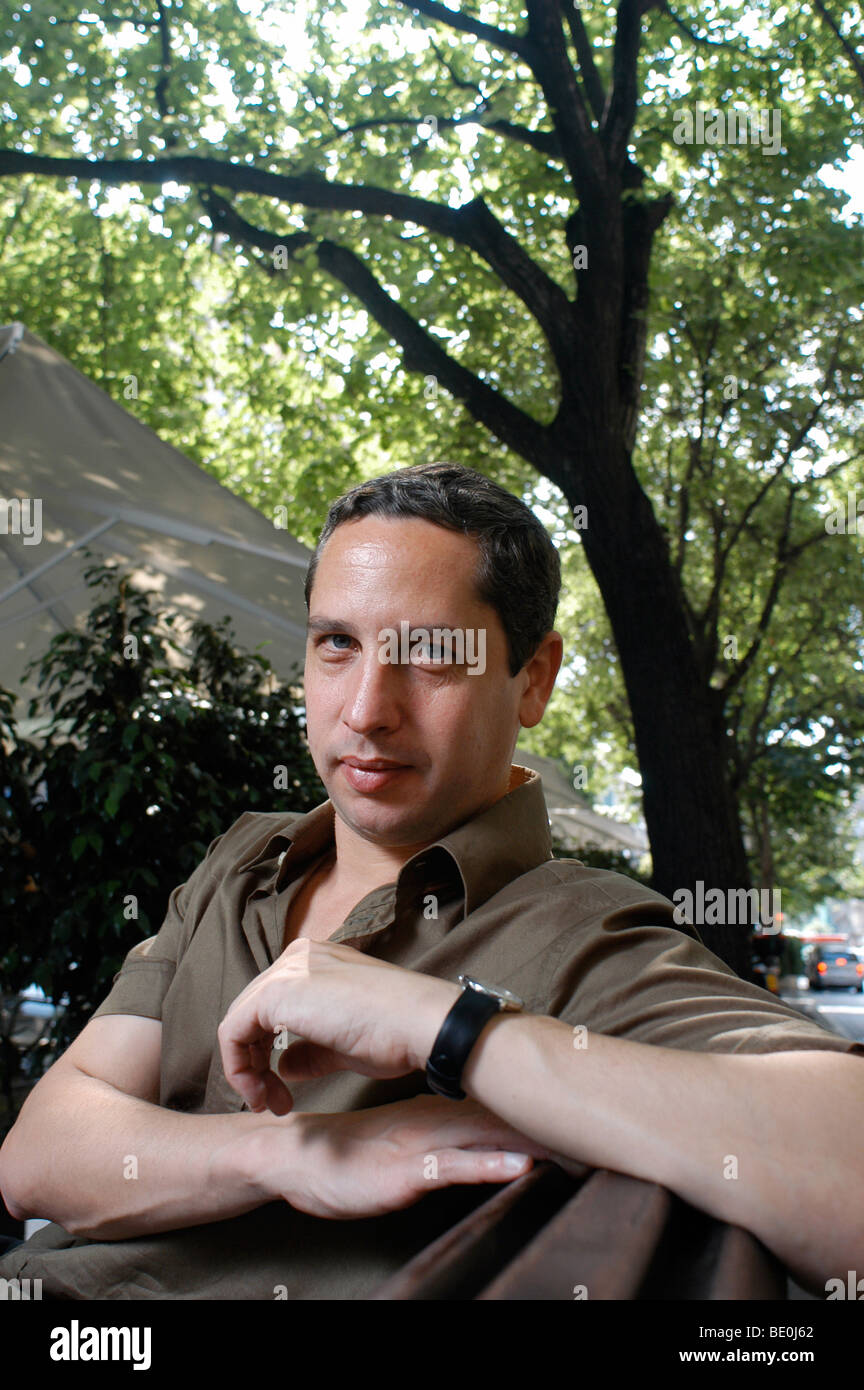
x=107, y=1165
x=771, y=1142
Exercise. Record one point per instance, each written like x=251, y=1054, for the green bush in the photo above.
x=150, y=750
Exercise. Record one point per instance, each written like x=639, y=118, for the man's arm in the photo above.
x=793, y=1122
x=771, y=1143
x=93, y=1151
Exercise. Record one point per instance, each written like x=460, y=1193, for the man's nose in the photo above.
x=374, y=695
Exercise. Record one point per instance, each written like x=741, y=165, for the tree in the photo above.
x=548, y=352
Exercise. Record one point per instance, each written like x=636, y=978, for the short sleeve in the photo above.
x=654, y=984
x=142, y=982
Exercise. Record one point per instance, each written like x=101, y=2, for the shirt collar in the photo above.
x=497, y=845
x=507, y=839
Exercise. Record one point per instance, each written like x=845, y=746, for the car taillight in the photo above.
x=841, y=960
x=859, y=969
x=821, y=967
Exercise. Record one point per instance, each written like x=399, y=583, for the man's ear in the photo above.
x=542, y=671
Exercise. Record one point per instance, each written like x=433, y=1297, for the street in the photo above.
x=840, y=1010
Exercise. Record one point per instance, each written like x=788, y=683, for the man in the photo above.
x=189, y=1169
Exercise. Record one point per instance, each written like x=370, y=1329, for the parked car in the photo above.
x=25, y=1022
x=835, y=967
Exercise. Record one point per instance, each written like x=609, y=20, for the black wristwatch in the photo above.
x=460, y=1030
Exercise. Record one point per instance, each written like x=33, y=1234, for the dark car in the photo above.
x=835, y=967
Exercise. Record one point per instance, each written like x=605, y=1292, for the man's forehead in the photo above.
x=399, y=536
x=433, y=558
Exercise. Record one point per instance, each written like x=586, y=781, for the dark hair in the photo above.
x=519, y=573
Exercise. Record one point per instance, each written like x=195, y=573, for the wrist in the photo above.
x=488, y=1056
x=245, y=1167
x=436, y=1005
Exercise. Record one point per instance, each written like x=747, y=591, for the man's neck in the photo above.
x=361, y=866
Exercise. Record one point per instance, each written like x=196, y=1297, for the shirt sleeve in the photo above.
x=654, y=984
x=142, y=982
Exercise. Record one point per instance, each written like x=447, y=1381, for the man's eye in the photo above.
x=435, y=652
x=337, y=639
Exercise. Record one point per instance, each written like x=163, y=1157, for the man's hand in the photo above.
x=368, y=1162
x=351, y=1012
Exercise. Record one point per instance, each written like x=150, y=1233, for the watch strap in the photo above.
x=456, y=1037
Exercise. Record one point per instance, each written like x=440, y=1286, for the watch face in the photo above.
x=507, y=998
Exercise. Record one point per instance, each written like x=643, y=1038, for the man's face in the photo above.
x=439, y=737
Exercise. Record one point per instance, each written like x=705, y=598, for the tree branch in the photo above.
x=546, y=142
x=165, y=49
x=421, y=351
x=467, y=24
x=755, y=735
x=454, y=76
x=112, y=21
x=620, y=113
x=746, y=756
x=795, y=440
x=721, y=560
x=700, y=38
x=782, y=560
x=550, y=62
x=473, y=224
x=588, y=70
x=848, y=48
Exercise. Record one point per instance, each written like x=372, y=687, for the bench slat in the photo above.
x=744, y=1268
x=463, y=1260
x=604, y=1238
x=549, y=1233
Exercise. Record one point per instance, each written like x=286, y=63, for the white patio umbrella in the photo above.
x=77, y=470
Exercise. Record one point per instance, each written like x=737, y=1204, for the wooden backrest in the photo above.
x=605, y=1236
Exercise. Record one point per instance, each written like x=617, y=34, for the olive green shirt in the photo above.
x=580, y=944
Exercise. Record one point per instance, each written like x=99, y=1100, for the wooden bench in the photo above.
x=549, y=1235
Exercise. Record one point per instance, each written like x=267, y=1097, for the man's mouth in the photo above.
x=370, y=774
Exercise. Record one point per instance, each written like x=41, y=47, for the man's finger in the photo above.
x=303, y=1061
x=264, y=1091
x=245, y=1042
x=449, y=1166
x=248, y=1072
x=475, y=1126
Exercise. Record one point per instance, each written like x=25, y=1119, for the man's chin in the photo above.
x=372, y=819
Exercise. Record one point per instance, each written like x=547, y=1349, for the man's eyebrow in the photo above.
x=330, y=625
x=340, y=625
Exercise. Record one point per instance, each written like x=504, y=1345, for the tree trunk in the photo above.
x=690, y=807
